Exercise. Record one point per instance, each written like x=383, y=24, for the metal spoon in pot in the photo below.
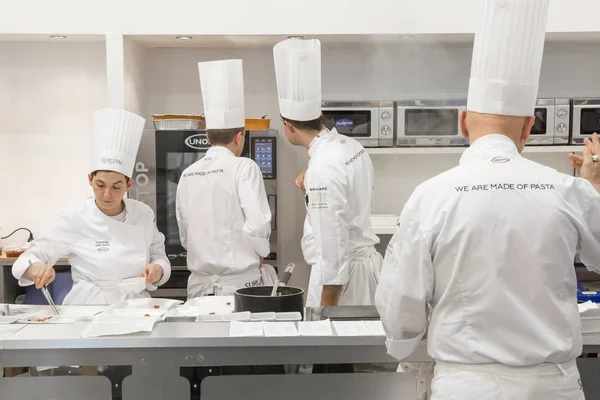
x=287, y=274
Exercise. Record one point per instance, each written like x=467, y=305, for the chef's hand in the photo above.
x=262, y=261
x=152, y=273
x=588, y=169
x=41, y=275
x=300, y=182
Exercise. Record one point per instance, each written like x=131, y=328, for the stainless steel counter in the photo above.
x=157, y=357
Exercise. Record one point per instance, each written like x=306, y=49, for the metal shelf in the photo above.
x=459, y=150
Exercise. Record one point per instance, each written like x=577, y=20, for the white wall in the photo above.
x=47, y=95
x=268, y=16
x=48, y=92
x=410, y=70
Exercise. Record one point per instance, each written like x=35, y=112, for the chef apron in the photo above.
x=226, y=284
x=364, y=267
x=124, y=257
x=500, y=382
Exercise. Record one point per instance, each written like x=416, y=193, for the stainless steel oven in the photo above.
x=161, y=160
x=369, y=122
x=552, y=120
x=586, y=119
x=429, y=123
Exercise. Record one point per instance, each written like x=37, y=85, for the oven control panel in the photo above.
x=263, y=152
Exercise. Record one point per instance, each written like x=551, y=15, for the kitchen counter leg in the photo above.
x=153, y=381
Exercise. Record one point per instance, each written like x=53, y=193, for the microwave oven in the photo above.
x=586, y=119
x=552, y=120
x=429, y=123
x=369, y=122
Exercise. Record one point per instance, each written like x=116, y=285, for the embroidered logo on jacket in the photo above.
x=500, y=160
x=102, y=246
x=355, y=157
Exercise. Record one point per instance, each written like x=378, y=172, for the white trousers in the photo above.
x=500, y=382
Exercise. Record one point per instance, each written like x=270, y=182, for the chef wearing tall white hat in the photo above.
x=114, y=248
x=490, y=244
x=222, y=208
x=339, y=185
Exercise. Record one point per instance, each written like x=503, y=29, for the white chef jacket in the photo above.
x=339, y=193
x=490, y=244
x=102, y=251
x=224, y=222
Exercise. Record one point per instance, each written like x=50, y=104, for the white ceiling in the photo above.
x=265, y=41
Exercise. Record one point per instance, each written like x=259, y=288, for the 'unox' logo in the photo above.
x=344, y=123
x=199, y=142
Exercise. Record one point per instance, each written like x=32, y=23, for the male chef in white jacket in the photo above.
x=109, y=238
x=490, y=244
x=222, y=208
x=339, y=183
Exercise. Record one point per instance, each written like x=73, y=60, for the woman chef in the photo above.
x=490, y=244
x=338, y=236
x=109, y=238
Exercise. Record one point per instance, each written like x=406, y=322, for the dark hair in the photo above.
x=102, y=170
x=222, y=136
x=313, y=125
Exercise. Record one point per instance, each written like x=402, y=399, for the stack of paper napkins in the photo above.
x=122, y=322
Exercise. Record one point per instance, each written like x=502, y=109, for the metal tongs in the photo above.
x=46, y=294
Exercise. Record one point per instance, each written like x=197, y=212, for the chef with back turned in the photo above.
x=490, y=244
x=222, y=208
x=109, y=239
x=338, y=239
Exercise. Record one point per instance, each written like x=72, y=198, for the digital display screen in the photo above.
x=176, y=163
x=263, y=155
x=590, y=121
x=540, y=125
x=431, y=122
x=349, y=123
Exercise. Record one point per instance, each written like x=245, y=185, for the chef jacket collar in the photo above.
x=99, y=212
x=324, y=136
x=490, y=146
x=219, y=150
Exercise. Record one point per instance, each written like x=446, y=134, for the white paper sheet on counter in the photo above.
x=278, y=329
x=351, y=328
x=315, y=328
x=245, y=329
x=375, y=327
x=113, y=325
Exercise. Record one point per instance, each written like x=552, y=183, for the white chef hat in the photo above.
x=507, y=57
x=222, y=84
x=117, y=136
x=298, y=73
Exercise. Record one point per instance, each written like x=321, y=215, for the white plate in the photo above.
x=241, y=316
x=264, y=316
x=288, y=316
x=135, y=312
x=9, y=319
x=148, y=303
x=211, y=304
x=48, y=318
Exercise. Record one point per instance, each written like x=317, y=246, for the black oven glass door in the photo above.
x=540, y=126
x=175, y=151
x=431, y=122
x=590, y=121
x=353, y=123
